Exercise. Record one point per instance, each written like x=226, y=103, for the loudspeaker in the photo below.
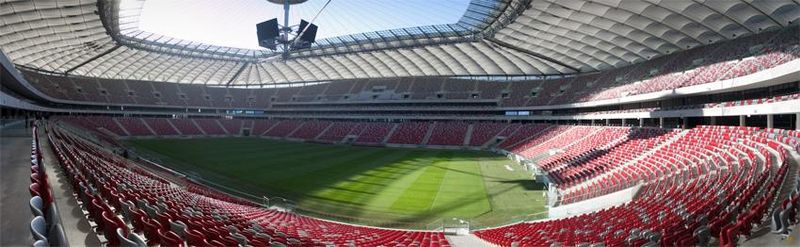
x=267, y=32
x=308, y=36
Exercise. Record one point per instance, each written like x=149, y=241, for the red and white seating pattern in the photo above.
x=558, y=139
x=169, y=214
x=284, y=128
x=606, y=162
x=186, y=126
x=134, y=126
x=523, y=132
x=449, y=133
x=705, y=64
x=603, y=137
x=232, y=126
x=374, y=133
x=409, y=133
x=261, y=126
x=483, y=132
x=720, y=174
x=339, y=130
x=209, y=126
x=532, y=139
x=95, y=123
x=310, y=130
x=161, y=126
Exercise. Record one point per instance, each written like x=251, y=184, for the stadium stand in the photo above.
x=738, y=61
x=209, y=126
x=310, y=130
x=232, y=126
x=374, y=133
x=161, y=126
x=154, y=207
x=338, y=131
x=631, y=123
x=410, y=133
x=449, y=133
x=186, y=126
x=483, y=132
x=133, y=126
x=284, y=128
x=673, y=209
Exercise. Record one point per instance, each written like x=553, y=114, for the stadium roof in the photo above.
x=502, y=37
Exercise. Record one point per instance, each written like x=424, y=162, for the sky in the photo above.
x=232, y=23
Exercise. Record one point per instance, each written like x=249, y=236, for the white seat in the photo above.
x=39, y=228
x=37, y=206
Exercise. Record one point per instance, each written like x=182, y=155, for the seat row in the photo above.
x=704, y=64
x=46, y=227
x=721, y=185
x=131, y=206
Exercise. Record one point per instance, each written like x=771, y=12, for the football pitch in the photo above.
x=391, y=187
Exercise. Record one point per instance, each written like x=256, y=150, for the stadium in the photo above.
x=399, y=123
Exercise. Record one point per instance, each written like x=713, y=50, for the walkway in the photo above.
x=77, y=228
x=15, y=173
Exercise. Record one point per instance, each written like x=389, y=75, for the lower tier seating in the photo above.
x=722, y=183
x=130, y=204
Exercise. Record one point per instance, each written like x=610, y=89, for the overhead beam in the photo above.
x=112, y=49
x=237, y=74
x=537, y=55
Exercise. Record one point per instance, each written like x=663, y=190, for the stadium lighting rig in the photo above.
x=272, y=35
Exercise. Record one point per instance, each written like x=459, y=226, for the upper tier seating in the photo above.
x=705, y=64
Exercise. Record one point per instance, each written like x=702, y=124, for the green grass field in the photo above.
x=393, y=187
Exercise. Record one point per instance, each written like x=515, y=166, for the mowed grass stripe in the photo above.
x=462, y=192
x=351, y=183
x=418, y=195
x=393, y=187
x=407, y=171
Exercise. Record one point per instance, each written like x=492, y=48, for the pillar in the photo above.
x=623, y=122
x=608, y=122
x=797, y=121
x=770, y=121
x=713, y=120
x=742, y=120
x=592, y=122
x=684, y=122
x=641, y=122
x=661, y=122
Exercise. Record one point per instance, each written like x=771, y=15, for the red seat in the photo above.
x=111, y=223
x=169, y=238
x=195, y=238
x=151, y=228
